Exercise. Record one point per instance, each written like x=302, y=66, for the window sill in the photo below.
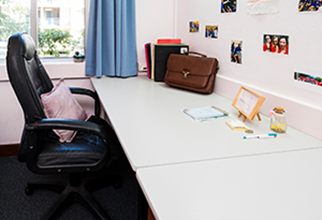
x=57, y=60
x=56, y=69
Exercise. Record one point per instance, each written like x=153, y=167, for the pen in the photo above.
x=260, y=136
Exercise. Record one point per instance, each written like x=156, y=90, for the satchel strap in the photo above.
x=196, y=53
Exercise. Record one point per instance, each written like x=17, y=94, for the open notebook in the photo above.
x=205, y=113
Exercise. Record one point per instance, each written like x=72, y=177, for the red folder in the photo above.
x=169, y=41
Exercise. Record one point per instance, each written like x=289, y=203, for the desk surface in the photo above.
x=153, y=131
x=272, y=186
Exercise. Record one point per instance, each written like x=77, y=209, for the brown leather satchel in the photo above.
x=191, y=72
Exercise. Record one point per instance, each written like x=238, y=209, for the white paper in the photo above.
x=262, y=6
x=246, y=101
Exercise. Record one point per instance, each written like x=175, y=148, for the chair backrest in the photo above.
x=27, y=75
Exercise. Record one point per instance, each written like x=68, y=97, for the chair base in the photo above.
x=75, y=189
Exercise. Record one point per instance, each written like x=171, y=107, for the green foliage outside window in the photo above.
x=8, y=25
x=15, y=17
x=55, y=42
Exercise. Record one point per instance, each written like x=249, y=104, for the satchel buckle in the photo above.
x=185, y=74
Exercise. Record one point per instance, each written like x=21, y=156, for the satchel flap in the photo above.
x=190, y=70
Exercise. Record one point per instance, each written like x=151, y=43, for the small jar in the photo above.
x=278, y=120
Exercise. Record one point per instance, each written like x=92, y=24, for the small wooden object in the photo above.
x=248, y=103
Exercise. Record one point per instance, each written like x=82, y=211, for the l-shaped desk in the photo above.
x=157, y=136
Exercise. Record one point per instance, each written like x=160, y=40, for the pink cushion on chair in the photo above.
x=60, y=103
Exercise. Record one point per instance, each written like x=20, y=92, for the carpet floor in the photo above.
x=15, y=204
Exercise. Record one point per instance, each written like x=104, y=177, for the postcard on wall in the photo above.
x=262, y=6
x=194, y=26
x=274, y=43
x=211, y=31
x=310, y=6
x=236, y=51
x=307, y=78
x=228, y=6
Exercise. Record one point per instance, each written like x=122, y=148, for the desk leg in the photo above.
x=150, y=215
x=142, y=206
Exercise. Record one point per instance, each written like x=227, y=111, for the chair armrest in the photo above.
x=68, y=124
x=82, y=91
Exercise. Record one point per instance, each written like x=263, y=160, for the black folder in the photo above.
x=161, y=55
x=147, y=47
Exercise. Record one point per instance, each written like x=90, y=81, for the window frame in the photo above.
x=34, y=29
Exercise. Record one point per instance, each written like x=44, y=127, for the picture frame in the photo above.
x=248, y=103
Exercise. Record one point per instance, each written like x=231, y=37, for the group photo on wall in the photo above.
x=276, y=44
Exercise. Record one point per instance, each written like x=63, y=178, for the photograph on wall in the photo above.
x=236, y=51
x=307, y=78
x=228, y=6
x=276, y=44
x=194, y=26
x=262, y=6
x=211, y=31
x=310, y=5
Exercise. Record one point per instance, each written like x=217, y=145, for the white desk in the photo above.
x=153, y=131
x=280, y=186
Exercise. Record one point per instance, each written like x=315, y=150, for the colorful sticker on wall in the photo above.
x=276, y=44
x=211, y=31
x=194, y=26
x=262, y=6
x=236, y=51
x=309, y=5
x=228, y=6
x=306, y=78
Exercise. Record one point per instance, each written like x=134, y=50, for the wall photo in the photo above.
x=236, y=51
x=194, y=26
x=276, y=44
x=310, y=5
x=228, y=6
x=308, y=78
x=211, y=31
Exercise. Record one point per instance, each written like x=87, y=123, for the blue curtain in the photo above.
x=111, y=39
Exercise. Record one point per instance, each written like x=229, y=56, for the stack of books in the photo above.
x=157, y=55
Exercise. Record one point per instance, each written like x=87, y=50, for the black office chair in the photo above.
x=93, y=151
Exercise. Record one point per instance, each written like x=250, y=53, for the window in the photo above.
x=58, y=26
x=14, y=17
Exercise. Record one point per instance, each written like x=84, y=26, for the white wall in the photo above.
x=269, y=74
x=154, y=19
x=11, y=116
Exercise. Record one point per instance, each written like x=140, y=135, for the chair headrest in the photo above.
x=24, y=45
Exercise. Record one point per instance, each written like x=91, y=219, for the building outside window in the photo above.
x=60, y=24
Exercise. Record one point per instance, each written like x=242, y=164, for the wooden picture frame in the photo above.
x=248, y=103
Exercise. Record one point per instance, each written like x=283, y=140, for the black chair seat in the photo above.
x=85, y=149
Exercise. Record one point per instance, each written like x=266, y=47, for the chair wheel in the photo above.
x=28, y=190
